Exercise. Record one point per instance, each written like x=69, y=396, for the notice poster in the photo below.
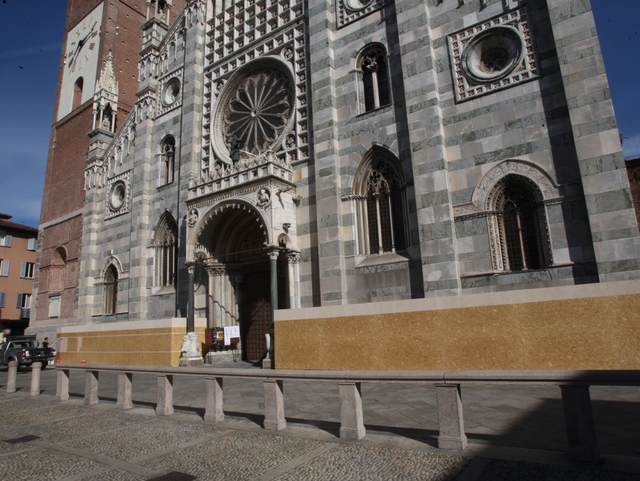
x=231, y=335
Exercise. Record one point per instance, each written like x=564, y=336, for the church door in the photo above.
x=255, y=314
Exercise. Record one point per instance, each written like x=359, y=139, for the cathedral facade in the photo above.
x=290, y=154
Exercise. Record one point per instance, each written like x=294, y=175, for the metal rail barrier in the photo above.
x=574, y=386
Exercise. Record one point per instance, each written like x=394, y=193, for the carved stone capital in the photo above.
x=215, y=270
x=274, y=253
x=293, y=257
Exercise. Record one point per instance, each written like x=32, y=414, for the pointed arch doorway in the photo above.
x=237, y=262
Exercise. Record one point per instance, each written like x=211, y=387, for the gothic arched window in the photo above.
x=77, y=93
x=168, y=154
x=522, y=225
x=375, y=92
x=111, y=290
x=380, y=204
x=165, y=251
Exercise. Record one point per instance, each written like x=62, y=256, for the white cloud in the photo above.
x=631, y=146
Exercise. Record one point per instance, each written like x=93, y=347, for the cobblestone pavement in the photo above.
x=514, y=434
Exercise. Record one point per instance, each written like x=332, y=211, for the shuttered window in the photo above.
x=27, y=269
x=23, y=301
x=5, y=239
x=4, y=267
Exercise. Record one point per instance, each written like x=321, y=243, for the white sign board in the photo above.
x=230, y=332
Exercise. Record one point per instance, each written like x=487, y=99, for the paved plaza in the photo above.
x=514, y=432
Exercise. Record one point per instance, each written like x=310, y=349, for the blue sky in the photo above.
x=31, y=34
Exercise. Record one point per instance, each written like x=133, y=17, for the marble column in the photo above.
x=191, y=268
x=293, y=275
x=214, y=295
x=273, y=267
x=190, y=343
x=210, y=293
x=267, y=363
x=229, y=317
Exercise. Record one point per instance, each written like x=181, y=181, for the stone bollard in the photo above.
x=274, y=419
x=351, y=418
x=214, y=412
x=91, y=387
x=164, y=407
x=581, y=433
x=62, y=385
x=125, y=387
x=12, y=372
x=36, y=367
x=450, y=417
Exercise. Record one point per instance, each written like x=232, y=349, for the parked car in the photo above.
x=25, y=350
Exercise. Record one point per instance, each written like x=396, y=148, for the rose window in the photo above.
x=258, y=112
x=117, y=196
x=492, y=54
x=356, y=5
x=494, y=60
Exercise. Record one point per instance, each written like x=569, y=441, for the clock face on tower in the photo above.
x=80, y=62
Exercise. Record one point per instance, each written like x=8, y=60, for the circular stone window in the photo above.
x=356, y=5
x=492, y=54
x=117, y=196
x=170, y=92
x=255, y=112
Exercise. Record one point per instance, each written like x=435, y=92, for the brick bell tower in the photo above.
x=97, y=83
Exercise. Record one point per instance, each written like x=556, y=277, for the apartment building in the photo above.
x=18, y=245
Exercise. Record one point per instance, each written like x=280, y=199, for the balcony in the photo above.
x=247, y=170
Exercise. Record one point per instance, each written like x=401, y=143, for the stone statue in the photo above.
x=234, y=150
x=267, y=339
x=263, y=198
x=186, y=345
x=193, y=217
x=190, y=346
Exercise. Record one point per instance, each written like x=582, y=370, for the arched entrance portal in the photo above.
x=235, y=250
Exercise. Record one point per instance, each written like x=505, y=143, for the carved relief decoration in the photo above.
x=117, y=195
x=170, y=88
x=493, y=55
x=254, y=111
x=203, y=232
x=254, y=47
x=488, y=194
x=257, y=112
x=248, y=192
x=481, y=199
x=351, y=10
x=193, y=217
x=293, y=257
x=263, y=198
x=115, y=262
x=495, y=199
x=115, y=154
